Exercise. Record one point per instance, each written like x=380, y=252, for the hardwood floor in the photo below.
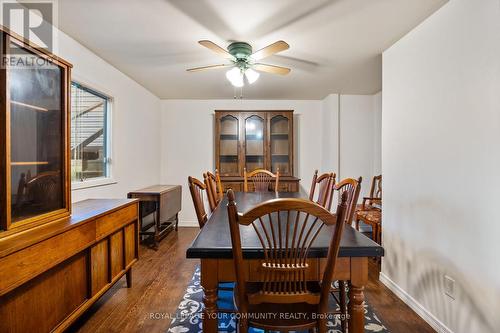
x=159, y=282
x=396, y=315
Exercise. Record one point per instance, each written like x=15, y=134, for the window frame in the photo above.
x=109, y=179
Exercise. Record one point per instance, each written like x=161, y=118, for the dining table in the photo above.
x=213, y=247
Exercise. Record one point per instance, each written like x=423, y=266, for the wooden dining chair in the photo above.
x=350, y=188
x=197, y=188
x=220, y=189
x=286, y=229
x=43, y=190
x=325, y=184
x=261, y=180
x=211, y=185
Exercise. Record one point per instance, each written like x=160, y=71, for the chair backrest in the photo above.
x=352, y=187
x=211, y=185
x=376, y=189
x=197, y=188
x=261, y=179
x=44, y=189
x=286, y=229
x=220, y=190
x=325, y=194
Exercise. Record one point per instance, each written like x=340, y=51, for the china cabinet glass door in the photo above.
x=228, y=146
x=280, y=144
x=254, y=143
x=36, y=141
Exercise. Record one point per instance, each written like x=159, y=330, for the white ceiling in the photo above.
x=335, y=46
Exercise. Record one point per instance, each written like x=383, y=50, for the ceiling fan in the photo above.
x=243, y=62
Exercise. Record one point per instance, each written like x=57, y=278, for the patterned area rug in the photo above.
x=189, y=313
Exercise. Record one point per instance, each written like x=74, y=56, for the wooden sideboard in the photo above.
x=49, y=275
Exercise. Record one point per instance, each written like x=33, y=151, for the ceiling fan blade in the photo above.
x=217, y=49
x=272, y=69
x=270, y=50
x=197, y=69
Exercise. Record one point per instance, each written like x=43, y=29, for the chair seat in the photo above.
x=360, y=208
x=272, y=316
x=370, y=216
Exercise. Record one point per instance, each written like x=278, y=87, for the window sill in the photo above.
x=92, y=183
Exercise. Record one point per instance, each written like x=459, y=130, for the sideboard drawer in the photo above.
x=23, y=265
x=114, y=221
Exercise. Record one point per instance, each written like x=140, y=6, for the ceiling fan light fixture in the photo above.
x=251, y=75
x=235, y=76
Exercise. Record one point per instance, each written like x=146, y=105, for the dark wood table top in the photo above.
x=155, y=189
x=214, y=240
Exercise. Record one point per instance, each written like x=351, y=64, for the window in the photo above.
x=90, y=159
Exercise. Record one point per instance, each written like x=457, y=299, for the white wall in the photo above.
x=330, y=134
x=377, y=134
x=188, y=148
x=441, y=160
x=352, y=149
x=135, y=126
x=357, y=139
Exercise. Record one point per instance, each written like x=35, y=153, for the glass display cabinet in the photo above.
x=228, y=147
x=34, y=168
x=280, y=152
x=254, y=140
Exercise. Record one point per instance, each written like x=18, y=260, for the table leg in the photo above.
x=176, y=221
x=359, y=278
x=374, y=232
x=129, y=277
x=209, y=282
x=157, y=225
x=140, y=220
x=343, y=305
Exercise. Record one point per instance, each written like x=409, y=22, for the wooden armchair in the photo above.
x=374, y=201
x=370, y=211
x=286, y=288
x=325, y=182
x=197, y=188
x=261, y=180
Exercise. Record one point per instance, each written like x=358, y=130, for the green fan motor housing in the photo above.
x=240, y=50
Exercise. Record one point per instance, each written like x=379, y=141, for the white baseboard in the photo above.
x=188, y=223
x=414, y=305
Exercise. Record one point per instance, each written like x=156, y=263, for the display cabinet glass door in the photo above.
x=254, y=143
x=280, y=144
x=228, y=146
x=36, y=123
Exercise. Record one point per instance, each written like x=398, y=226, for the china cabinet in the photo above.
x=254, y=140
